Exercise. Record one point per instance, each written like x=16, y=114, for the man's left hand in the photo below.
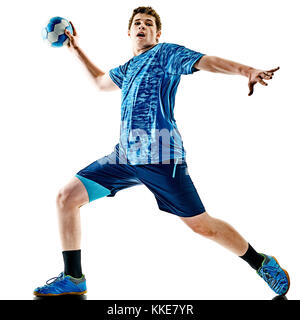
x=259, y=76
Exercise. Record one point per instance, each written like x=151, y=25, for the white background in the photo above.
x=243, y=152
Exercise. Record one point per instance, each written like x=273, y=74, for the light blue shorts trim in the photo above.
x=94, y=189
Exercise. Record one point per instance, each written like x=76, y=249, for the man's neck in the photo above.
x=138, y=51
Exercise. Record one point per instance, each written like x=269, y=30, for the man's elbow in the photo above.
x=104, y=83
x=100, y=83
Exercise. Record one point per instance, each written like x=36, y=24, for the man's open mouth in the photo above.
x=140, y=34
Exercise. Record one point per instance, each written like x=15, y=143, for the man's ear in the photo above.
x=158, y=34
x=128, y=33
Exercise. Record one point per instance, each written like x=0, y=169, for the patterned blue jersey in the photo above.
x=149, y=81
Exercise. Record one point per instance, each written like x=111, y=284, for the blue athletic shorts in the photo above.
x=170, y=183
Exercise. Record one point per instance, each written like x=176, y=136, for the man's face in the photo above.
x=143, y=32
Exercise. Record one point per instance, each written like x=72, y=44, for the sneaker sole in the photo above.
x=59, y=294
x=287, y=275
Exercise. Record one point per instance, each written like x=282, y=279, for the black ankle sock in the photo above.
x=253, y=258
x=72, y=261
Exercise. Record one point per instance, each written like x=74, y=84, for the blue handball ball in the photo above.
x=54, y=32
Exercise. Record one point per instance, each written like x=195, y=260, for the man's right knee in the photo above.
x=72, y=195
x=63, y=199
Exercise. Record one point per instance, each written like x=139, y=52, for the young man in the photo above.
x=150, y=150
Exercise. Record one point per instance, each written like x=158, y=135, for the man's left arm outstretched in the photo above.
x=216, y=64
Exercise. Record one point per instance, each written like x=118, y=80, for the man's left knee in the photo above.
x=201, y=224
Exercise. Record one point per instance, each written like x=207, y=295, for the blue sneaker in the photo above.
x=62, y=285
x=277, y=278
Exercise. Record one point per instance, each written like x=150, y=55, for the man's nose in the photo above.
x=141, y=26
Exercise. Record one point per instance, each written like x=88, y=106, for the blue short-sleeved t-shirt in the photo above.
x=149, y=81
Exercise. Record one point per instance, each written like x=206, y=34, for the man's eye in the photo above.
x=137, y=23
x=149, y=24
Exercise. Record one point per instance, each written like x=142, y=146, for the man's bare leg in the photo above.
x=224, y=234
x=218, y=231
x=69, y=200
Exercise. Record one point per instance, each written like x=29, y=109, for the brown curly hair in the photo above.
x=146, y=10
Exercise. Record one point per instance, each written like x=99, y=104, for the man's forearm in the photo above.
x=216, y=64
x=93, y=70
